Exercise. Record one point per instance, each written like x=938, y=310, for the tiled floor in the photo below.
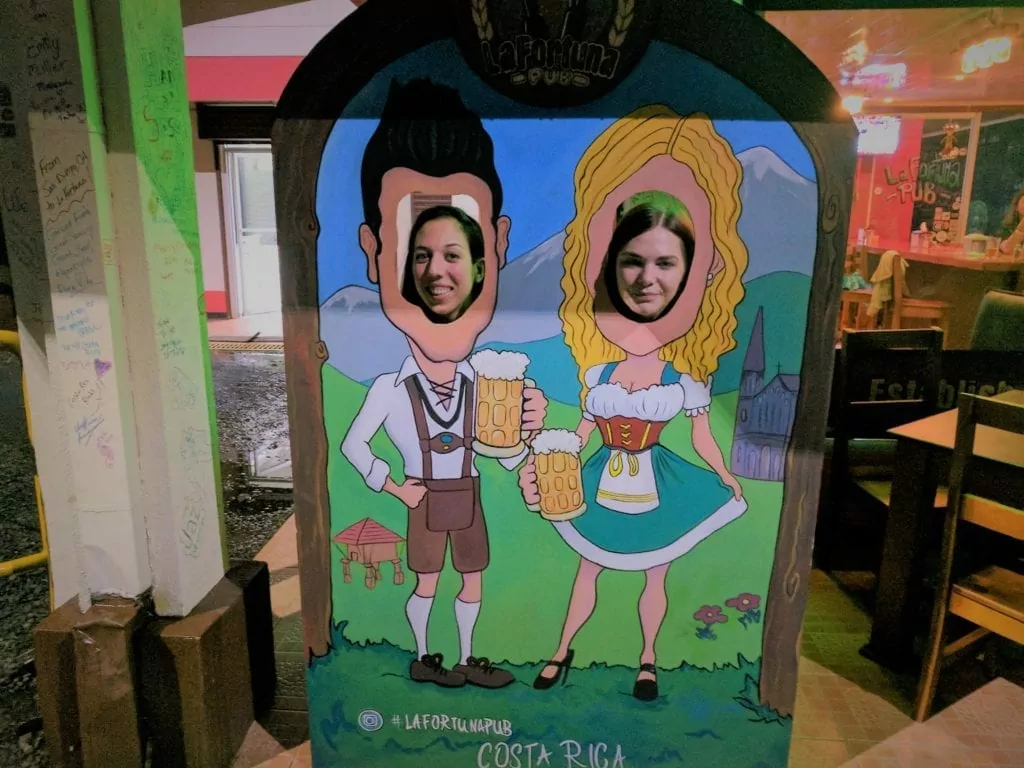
x=265, y=327
x=850, y=713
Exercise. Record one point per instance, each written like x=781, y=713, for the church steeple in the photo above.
x=752, y=378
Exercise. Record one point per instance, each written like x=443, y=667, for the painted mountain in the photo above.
x=362, y=343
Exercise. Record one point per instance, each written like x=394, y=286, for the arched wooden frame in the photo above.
x=723, y=33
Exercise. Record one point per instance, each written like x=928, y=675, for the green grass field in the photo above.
x=526, y=587
x=700, y=718
x=697, y=721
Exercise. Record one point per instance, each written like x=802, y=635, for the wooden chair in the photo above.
x=929, y=312
x=853, y=304
x=992, y=598
x=863, y=412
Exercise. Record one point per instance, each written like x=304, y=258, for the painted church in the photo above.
x=764, y=414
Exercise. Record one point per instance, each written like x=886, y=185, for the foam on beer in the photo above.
x=557, y=441
x=503, y=366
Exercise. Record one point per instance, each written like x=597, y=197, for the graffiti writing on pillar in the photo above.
x=170, y=343
x=193, y=520
x=38, y=9
x=165, y=133
x=195, y=446
x=69, y=223
x=53, y=91
x=64, y=184
x=13, y=200
x=78, y=330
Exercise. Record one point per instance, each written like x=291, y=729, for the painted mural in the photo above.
x=562, y=355
x=523, y=633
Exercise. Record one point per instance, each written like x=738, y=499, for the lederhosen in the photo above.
x=450, y=508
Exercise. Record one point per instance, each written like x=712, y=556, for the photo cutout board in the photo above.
x=560, y=286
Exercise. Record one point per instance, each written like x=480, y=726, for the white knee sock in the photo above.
x=417, y=610
x=465, y=617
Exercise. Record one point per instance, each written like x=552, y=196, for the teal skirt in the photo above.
x=693, y=503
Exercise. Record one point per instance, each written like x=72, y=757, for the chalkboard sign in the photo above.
x=941, y=172
x=998, y=171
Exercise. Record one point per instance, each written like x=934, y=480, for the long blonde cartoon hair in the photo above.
x=619, y=152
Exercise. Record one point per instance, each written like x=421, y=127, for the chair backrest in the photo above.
x=899, y=287
x=999, y=324
x=971, y=499
x=982, y=372
x=886, y=378
x=858, y=261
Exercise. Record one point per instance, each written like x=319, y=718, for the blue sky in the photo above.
x=535, y=154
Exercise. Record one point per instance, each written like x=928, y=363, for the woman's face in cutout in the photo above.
x=443, y=269
x=641, y=338
x=649, y=271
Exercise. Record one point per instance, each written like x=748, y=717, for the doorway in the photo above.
x=254, y=277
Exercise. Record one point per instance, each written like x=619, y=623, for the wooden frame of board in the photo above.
x=725, y=34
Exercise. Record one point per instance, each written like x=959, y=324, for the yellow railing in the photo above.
x=9, y=340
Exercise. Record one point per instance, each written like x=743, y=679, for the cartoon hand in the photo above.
x=411, y=492
x=734, y=484
x=528, y=484
x=535, y=408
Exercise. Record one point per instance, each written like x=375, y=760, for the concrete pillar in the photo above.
x=100, y=221
x=21, y=209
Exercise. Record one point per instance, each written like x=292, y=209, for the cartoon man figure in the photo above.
x=428, y=146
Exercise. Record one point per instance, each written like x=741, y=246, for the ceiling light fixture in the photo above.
x=885, y=76
x=853, y=104
x=987, y=53
x=990, y=43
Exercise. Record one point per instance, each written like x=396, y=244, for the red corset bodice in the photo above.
x=629, y=434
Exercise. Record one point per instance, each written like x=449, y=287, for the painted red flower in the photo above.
x=710, y=614
x=744, y=602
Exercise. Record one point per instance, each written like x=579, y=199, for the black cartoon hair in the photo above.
x=426, y=128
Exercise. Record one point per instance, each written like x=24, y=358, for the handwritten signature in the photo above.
x=85, y=428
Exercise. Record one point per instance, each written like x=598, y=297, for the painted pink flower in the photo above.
x=710, y=614
x=744, y=602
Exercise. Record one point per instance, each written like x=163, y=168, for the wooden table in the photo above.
x=954, y=256
x=923, y=451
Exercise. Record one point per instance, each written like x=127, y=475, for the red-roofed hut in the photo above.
x=370, y=543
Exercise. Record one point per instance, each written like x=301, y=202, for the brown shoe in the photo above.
x=430, y=669
x=479, y=672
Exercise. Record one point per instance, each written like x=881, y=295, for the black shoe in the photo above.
x=430, y=669
x=479, y=672
x=646, y=690
x=542, y=683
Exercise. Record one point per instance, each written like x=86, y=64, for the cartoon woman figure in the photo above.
x=653, y=266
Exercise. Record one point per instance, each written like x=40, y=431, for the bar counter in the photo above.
x=946, y=273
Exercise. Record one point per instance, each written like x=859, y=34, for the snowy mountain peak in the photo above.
x=353, y=297
x=761, y=160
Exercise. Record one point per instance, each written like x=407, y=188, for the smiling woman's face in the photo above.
x=645, y=336
x=443, y=268
x=649, y=271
